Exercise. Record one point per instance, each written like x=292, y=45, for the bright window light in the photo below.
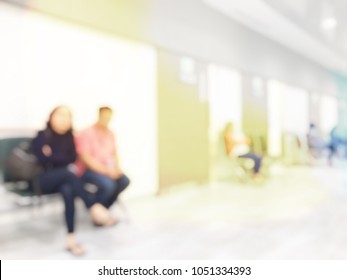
x=329, y=23
x=328, y=113
x=225, y=98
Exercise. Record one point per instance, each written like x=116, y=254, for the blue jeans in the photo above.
x=108, y=189
x=61, y=180
x=256, y=159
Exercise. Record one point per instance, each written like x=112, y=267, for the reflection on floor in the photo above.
x=300, y=213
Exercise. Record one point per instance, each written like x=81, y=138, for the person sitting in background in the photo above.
x=315, y=142
x=99, y=162
x=317, y=145
x=238, y=145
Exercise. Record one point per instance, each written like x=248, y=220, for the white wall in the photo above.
x=45, y=62
x=328, y=113
x=225, y=99
x=296, y=110
x=288, y=111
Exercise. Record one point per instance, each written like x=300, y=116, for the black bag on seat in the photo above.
x=22, y=164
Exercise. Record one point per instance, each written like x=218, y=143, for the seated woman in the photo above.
x=55, y=150
x=238, y=146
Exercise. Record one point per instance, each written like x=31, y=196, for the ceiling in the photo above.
x=316, y=29
x=295, y=24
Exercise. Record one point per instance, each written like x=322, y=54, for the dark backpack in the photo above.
x=22, y=164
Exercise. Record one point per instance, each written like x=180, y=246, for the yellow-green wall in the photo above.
x=182, y=126
x=129, y=18
x=255, y=116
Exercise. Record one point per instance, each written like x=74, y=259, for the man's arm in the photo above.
x=93, y=165
x=116, y=171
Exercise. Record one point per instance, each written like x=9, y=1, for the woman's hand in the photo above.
x=46, y=150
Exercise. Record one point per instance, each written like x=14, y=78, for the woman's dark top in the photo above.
x=62, y=146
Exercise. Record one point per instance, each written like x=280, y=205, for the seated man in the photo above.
x=317, y=145
x=97, y=151
x=315, y=142
x=238, y=146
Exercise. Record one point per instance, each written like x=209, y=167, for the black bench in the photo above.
x=22, y=189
